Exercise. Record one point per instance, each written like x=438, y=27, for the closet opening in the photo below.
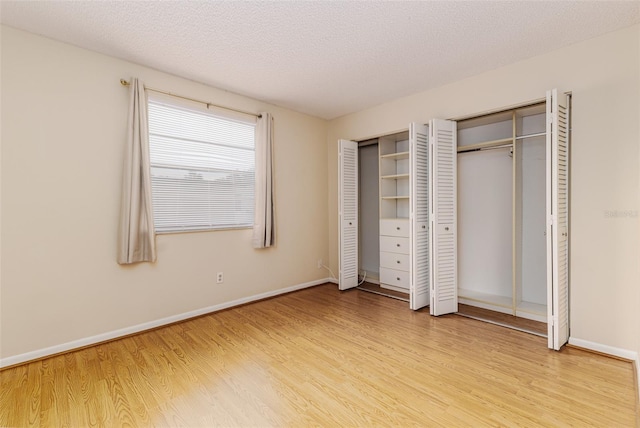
x=383, y=185
x=502, y=244
x=383, y=213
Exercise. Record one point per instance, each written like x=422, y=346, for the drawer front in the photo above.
x=394, y=244
x=396, y=278
x=394, y=261
x=395, y=227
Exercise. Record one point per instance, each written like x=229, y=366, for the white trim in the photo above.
x=80, y=343
x=605, y=349
x=638, y=374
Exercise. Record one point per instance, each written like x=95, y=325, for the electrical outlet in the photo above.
x=219, y=278
x=320, y=263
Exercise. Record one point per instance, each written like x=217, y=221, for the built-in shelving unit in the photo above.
x=394, y=169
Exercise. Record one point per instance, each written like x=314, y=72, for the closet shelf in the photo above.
x=394, y=197
x=394, y=176
x=492, y=299
x=532, y=308
x=396, y=156
x=503, y=304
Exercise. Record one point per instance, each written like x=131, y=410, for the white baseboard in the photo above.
x=80, y=343
x=605, y=349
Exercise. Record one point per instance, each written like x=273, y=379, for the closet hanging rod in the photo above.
x=505, y=142
x=539, y=134
x=123, y=82
x=486, y=144
x=479, y=149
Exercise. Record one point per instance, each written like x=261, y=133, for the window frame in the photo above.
x=218, y=113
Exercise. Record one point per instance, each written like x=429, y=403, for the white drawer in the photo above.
x=394, y=227
x=394, y=244
x=394, y=261
x=396, y=278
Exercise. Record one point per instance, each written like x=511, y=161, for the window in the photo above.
x=202, y=168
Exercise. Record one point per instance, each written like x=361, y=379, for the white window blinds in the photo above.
x=202, y=168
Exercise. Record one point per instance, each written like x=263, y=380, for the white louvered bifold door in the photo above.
x=442, y=175
x=557, y=220
x=348, y=214
x=419, y=212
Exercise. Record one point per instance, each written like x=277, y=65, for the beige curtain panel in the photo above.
x=264, y=227
x=136, y=235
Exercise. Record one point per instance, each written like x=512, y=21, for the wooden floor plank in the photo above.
x=322, y=357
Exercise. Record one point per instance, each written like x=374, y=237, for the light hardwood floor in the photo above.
x=320, y=357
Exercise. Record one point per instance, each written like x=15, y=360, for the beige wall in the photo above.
x=638, y=220
x=63, y=126
x=602, y=74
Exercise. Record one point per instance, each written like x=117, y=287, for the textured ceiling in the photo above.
x=323, y=58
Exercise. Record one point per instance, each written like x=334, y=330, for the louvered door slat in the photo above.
x=348, y=214
x=558, y=221
x=443, y=239
x=419, y=211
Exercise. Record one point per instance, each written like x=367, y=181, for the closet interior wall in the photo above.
x=369, y=224
x=501, y=212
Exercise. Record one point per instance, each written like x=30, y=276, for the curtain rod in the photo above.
x=126, y=83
